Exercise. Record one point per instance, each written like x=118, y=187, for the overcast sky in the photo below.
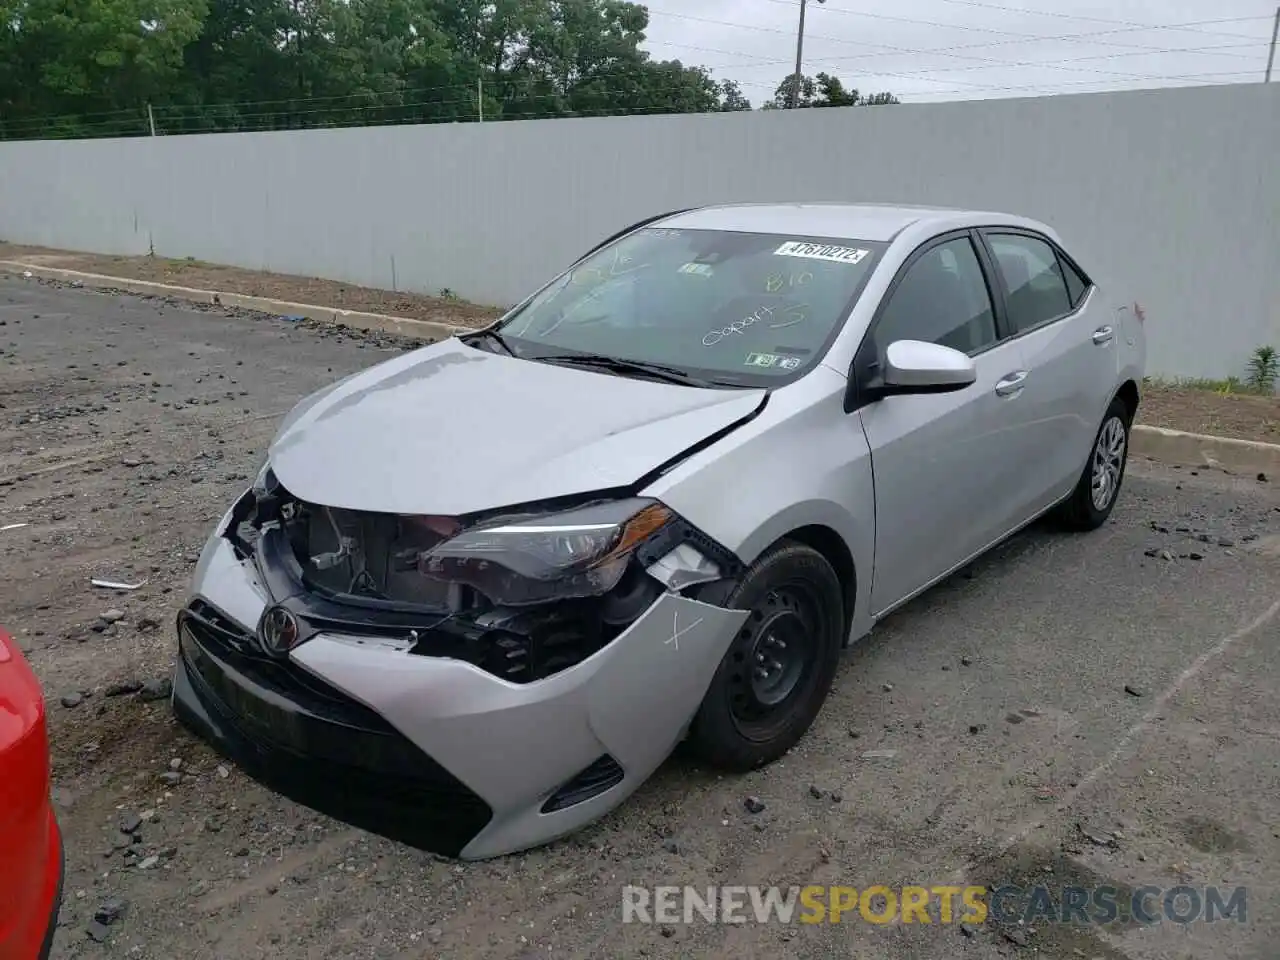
x=929, y=50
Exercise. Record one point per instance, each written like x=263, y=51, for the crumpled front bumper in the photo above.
x=438, y=752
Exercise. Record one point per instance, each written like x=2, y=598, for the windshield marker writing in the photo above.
x=712, y=337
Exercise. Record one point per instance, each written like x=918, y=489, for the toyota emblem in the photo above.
x=279, y=631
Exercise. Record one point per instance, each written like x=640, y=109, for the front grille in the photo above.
x=218, y=628
x=226, y=640
x=602, y=775
x=314, y=744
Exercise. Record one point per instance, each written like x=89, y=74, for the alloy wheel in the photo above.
x=1108, y=462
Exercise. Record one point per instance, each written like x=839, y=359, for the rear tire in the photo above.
x=777, y=672
x=1095, y=494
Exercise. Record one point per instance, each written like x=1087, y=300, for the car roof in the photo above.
x=874, y=222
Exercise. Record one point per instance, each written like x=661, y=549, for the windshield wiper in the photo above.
x=618, y=365
x=496, y=337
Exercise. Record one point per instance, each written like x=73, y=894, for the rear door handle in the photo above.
x=1103, y=335
x=1012, y=384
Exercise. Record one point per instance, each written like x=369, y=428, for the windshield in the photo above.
x=731, y=308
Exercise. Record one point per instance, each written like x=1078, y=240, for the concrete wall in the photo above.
x=1171, y=196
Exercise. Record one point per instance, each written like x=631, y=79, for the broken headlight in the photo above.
x=580, y=553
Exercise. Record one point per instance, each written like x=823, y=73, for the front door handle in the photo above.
x=1103, y=335
x=1012, y=384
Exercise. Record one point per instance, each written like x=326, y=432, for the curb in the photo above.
x=1157, y=443
x=401, y=326
x=1201, y=450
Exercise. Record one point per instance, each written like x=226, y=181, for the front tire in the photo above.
x=777, y=672
x=1095, y=495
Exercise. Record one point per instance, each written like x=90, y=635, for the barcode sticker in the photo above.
x=821, y=251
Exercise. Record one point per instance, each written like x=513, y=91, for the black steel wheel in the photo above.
x=778, y=670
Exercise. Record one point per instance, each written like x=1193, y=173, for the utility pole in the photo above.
x=151, y=119
x=795, y=79
x=1271, y=56
x=480, y=97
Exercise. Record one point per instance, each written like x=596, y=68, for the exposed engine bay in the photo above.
x=375, y=555
x=382, y=574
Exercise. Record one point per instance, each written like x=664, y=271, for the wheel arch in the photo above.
x=1129, y=396
x=842, y=542
x=833, y=548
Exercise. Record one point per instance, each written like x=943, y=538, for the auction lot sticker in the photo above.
x=820, y=251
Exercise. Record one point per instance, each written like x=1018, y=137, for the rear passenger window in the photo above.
x=1034, y=279
x=1076, y=284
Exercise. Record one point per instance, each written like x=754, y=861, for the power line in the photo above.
x=961, y=56
x=940, y=51
x=984, y=62
x=1132, y=24
x=1068, y=86
x=997, y=64
x=1124, y=26
x=1271, y=50
x=926, y=51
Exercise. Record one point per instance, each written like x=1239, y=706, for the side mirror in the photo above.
x=913, y=366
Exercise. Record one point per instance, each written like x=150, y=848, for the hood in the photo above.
x=450, y=429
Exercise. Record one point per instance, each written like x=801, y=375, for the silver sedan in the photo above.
x=481, y=591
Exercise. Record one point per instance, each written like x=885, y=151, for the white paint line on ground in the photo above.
x=1126, y=740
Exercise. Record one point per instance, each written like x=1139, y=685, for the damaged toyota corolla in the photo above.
x=479, y=592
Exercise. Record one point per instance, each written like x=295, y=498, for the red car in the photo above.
x=30, y=841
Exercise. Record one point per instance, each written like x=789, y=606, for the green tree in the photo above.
x=731, y=97
x=782, y=95
x=100, y=60
x=825, y=90
x=101, y=67
x=831, y=93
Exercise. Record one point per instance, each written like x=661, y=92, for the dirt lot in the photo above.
x=1178, y=408
x=209, y=276
x=1093, y=710
x=1242, y=415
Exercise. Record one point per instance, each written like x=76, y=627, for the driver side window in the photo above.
x=943, y=299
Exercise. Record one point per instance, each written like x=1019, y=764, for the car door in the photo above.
x=1069, y=344
x=945, y=465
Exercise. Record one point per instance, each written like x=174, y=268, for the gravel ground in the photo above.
x=1095, y=709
